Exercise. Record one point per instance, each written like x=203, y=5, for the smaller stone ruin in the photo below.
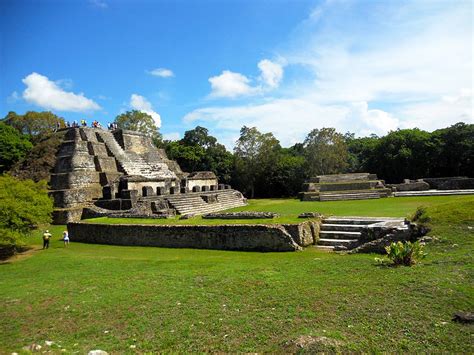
x=337, y=187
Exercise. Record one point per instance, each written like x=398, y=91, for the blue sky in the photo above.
x=283, y=66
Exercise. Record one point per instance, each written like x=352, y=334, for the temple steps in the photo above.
x=434, y=193
x=348, y=196
x=339, y=234
x=341, y=227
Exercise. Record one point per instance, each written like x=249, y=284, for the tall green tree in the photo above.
x=256, y=155
x=138, y=121
x=13, y=146
x=199, y=151
x=326, y=152
x=36, y=125
x=454, y=150
x=360, y=152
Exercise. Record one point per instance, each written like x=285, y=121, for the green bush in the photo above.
x=24, y=206
x=406, y=253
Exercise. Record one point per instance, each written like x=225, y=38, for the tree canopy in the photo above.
x=138, y=121
x=13, y=146
x=35, y=125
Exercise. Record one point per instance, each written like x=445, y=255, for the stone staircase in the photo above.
x=434, y=193
x=131, y=163
x=193, y=203
x=345, y=232
x=341, y=196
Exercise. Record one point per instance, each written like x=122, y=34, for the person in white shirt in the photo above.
x=66, y=238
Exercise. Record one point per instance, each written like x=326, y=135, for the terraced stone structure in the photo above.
x=122, y=171
x=357, y=186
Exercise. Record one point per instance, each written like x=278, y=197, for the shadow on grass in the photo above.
x=10, y=253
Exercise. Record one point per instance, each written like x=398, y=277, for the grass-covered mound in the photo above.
x=289, y=209
x=179, y=300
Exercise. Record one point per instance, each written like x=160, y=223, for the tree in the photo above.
x=24, y=206
x=454, y=150
x=13, y=146
x=326, y=152
x=36, y=125
x=138, y=121
x=199, y=151
x=255, y=155
x=402, y=154
x=361, y=152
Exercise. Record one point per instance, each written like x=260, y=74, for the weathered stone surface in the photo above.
x=74, y=179
x=411, y=186
x=196, y=188
x=72, y=197
x=224, y=237
x=105, y=164
x=464, y=317
x=78, y=161
x=302, y=233
x=147, y=191
x=309, y=215
x=240, y=215
x=450, y=183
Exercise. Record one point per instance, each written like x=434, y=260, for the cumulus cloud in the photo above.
x=230, y=84
x=140, y=103
x=272, y=73
x=161, y=72
x=49, y=95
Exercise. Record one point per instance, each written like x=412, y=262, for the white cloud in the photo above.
x=272, y=73
x=171, y=136
x=230, y=84
x=161, y=72
x=47, y=94
x=99, y=3
x=140, y=103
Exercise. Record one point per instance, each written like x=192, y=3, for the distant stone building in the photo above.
x=356, y=186
x=100, y=171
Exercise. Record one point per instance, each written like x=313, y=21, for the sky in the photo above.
x=285, y=67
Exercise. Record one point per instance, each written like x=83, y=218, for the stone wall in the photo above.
x=249, y=237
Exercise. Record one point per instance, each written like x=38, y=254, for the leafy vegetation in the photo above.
x=24, y=206
x=138, y=121
x=138, y=299
x=405, y=253
x=13, y=146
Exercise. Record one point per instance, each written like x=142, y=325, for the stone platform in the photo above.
x=358, y=186
x=247, y=237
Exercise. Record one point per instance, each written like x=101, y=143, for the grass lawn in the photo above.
x=289, y=209
x=138, y=299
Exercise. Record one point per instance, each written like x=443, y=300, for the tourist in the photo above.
x=75, y=124
x=66, y=238
x=68, y=124
x=83, y=123
x=46, y=237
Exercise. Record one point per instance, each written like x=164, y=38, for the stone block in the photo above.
x=213, y=187
x=66, y=215
x=129, y=194
x=108, y=192
x=105, y=164
x=161, y=190
x=205, y=189
x=97, y=148
x=64, y=181
x=196, y=189
x=88, y=134
x=73, y=197
x=147, y=191
x=221, y=187
x=174, y=190
x=109, y=178
x=78, y=161
x=227, y=187
x=184, y=190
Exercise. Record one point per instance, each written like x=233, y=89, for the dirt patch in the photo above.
x=25, y=253
x=312, y=344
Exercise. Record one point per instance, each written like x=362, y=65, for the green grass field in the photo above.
x=138, y=299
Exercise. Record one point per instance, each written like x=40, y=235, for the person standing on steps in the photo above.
x=46, y=237
x=66, y=238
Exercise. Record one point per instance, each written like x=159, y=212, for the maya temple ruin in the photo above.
x=101, y=172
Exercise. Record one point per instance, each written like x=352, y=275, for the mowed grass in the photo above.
x=137, y=299
x=289, y=209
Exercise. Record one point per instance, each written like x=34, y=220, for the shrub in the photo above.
x=421, y=216
x=405, y=253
